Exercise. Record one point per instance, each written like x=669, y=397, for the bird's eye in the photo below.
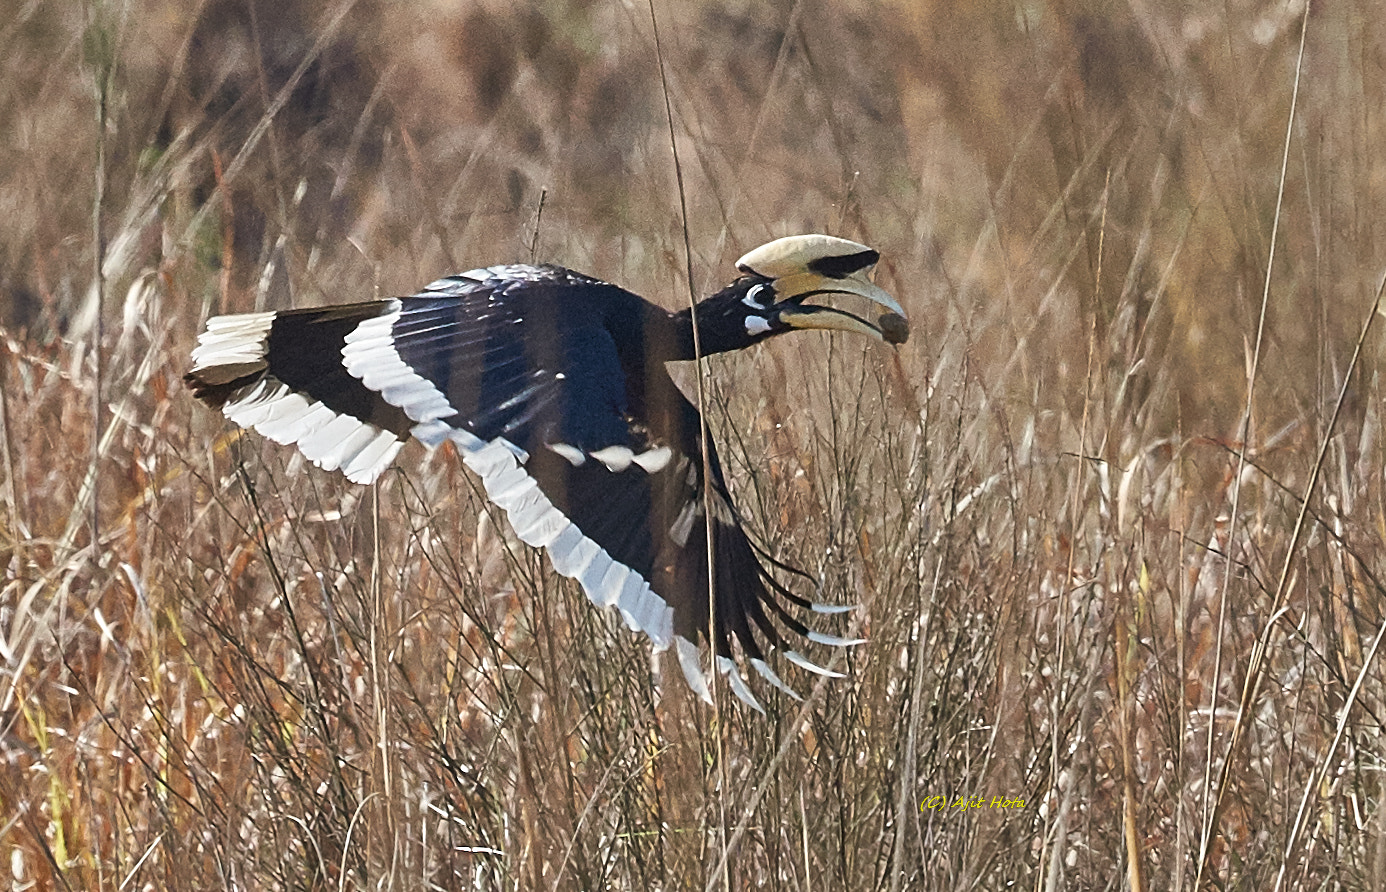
x=759, y=296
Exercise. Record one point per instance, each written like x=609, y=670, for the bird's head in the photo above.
x=778, y=279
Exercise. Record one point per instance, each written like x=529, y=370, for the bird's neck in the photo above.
x=711, y=339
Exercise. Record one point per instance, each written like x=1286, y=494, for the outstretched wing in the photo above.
x=513, y=352
x=519, y=367
x=748, y=608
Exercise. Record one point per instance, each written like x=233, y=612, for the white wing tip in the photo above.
x=738, y=685
x=833, y=640
x=769, y=675
x=691, y=664
x=806, y=664
x=833, y=609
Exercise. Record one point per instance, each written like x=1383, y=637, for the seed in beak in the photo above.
x=894, y=328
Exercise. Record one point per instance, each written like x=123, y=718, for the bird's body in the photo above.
x=553, y=386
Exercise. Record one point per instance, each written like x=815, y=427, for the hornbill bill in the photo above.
x=553, y=387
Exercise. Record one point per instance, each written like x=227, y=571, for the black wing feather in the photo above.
x=512, y=356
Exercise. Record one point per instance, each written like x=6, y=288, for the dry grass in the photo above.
x=224, y=669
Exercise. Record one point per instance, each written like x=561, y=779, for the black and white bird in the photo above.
x=553, y=387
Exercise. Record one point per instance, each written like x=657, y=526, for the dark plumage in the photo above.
x=554, y=388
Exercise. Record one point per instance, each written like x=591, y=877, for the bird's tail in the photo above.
x=283, y=375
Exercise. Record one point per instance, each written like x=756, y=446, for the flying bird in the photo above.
x=553, y=387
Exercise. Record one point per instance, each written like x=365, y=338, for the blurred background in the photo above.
x=224, y=668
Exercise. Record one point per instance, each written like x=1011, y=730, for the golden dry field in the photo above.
x=1114, y=513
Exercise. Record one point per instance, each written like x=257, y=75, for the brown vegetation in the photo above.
x=226, y=669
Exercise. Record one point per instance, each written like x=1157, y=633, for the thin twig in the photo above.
x=707, y=464
x=1053, y=879
x=1254, y=667
x=538, y=218
x=105, y=62
x=1258, y=654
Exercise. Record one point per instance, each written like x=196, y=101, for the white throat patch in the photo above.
x=756, y=325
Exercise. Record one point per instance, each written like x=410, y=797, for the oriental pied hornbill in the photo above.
x=553, y=387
